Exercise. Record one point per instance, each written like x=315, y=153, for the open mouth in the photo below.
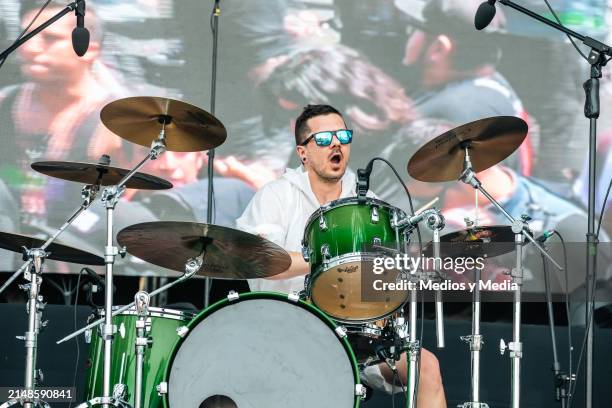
x=336, y=158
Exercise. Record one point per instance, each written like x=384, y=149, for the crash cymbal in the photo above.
x=489, y=241
x=57, y=252
x=230, y=254
x=490, y=141
x=140, y=120
x=93, y=173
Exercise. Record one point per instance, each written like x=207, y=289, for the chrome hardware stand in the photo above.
x=32, y=272
x=191, y=267
x=143, y=329
x=520, y=229
x=110, y=197
x=475, y=342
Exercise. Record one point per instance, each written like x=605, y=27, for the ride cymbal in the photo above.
x=140, y=120
x=489, y=141
x=93, y=173
x=229, y=253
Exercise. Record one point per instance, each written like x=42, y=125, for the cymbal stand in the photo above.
x=143, y=329
x=412, y=346
x=32, y=272
x=475, y=342
x=110, y=197
x=520, y=229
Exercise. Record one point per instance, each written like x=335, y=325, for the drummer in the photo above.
x=279, y=212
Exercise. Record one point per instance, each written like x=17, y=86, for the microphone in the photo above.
x=363, y=182
x=484, y=14
x=80, y=34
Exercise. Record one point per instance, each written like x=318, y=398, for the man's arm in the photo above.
x=298, y=267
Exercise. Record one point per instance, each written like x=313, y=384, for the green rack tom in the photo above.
x=340, y=242
x=262, y=349
x=164, y=325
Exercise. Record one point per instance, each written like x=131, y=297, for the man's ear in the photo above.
x=301, y=152
x=441, y=48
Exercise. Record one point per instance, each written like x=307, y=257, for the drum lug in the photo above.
x=182, y=331
x=162, y=388
x=232, y=295
x=340, y=332
x=377, y=241
x=361, y=391
x=326, y=255
x=305, y=253
x=325, y=251
x=374, y=214
x=322, y=223
x=87, y=335
x=294, y=296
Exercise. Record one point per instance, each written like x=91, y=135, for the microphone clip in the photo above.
x=363, y=185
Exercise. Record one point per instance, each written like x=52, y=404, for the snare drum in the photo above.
x=338, y=242
x=164, y=324
x=262, y=349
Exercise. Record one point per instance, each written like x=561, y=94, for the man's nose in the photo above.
x=335, y=141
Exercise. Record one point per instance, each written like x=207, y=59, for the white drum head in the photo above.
x=262, y=353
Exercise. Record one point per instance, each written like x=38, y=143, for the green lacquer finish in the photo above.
x=164, y=323
x=349, y=229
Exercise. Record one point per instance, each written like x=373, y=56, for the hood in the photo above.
x=298, y=177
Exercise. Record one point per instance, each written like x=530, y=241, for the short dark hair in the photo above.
x=309, y=112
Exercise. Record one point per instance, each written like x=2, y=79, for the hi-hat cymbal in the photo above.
x=57, y=252
x=230, y=254
x=489, y=140
x=93, y=173
x=489, y=241
x=140, y=120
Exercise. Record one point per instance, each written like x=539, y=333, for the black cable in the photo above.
x=76, y=339
x=25, y=30
x=567, y=307
x=568, y=36
x=603, y=208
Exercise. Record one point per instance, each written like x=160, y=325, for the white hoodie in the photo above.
x=279, y=212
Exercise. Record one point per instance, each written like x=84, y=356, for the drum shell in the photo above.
x=349, y=232
x=349, y=229
x=164, y=325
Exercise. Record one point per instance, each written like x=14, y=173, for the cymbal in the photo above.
x=490, y=141
x=230, y=253
x=140, y=119
x=93, y=173
x=489, y=241
x=57, y=252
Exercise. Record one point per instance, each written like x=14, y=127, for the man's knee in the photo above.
x=430, y=371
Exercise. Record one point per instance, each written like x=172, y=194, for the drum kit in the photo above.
x=262, y=349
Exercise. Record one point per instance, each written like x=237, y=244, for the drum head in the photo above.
x=262, y=351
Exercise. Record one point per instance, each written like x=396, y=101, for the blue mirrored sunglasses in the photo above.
x=345, y=136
